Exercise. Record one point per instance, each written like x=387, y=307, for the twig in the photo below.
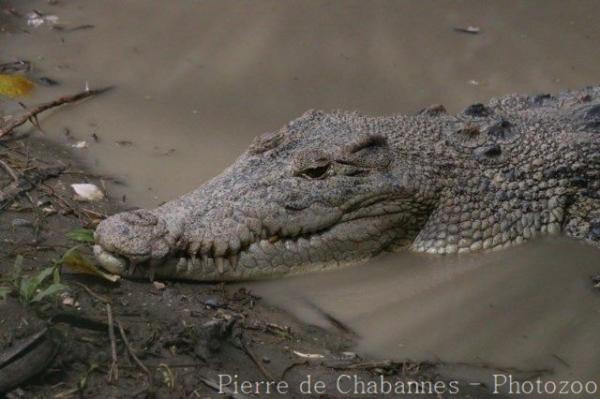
x=561, y=360
x=26, y=182
x=291, y=366
x=180, y=365
x=92, y=293
x=132, y=353
x=15, y=66
x=332, y=319
x=9, y=170
x=365, y=365
x=64, y=203
x=256, y=361
x=78, y=321
x=20, y=346
x=113, y=371
x=66, y=394
x=32, y=113
x=221, y=389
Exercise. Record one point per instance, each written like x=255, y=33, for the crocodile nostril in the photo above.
x=488, y=152
x=477, y=110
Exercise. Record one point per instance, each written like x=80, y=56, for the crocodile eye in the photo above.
x=312, y=164
x=317, y=172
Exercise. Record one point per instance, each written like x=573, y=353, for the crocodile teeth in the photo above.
x=220, y=246
x=234, y=244
x=233, y=259
x=132, y=267
x=206, y=247
x=181, y=265
x=152, y=271
x=194, y=263
x=220, y=262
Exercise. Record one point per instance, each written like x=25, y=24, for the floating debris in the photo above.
x=72, y=29
x=15, y=66
x=596, y=281
x=80, y=145
x=37, y=19
x=15, y=85
x=46, y=81
x=473, y=30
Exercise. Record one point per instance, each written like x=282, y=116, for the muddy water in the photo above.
x=195, y=81
x=530, y=308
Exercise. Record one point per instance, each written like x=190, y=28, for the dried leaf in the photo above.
x=308, y=355
x=473, y=30
x=14, y=85
x=75, y=261
x=80, y=145
x=88, y=192
x=36, y=19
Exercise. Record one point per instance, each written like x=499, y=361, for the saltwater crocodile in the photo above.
x=333, y=188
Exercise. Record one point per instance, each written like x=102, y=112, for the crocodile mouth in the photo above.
x=357, y=235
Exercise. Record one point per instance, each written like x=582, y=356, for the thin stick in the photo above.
x=32, y=113
x=132, y=353
x=364, y=365
x=25, y=183
x=9, y=170
x=92, y=293
x=113, y=371
x=291, y=366
x=219, y=388
x=257, y=361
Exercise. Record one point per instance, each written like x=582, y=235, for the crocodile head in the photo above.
x=325, y=190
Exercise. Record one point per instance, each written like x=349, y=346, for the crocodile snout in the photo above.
x=130, y=238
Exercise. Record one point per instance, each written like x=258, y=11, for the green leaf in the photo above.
x=18, y=269
x=4, y=291
x=30, y=285
x=56, y=273
x=39, y=278
x=81, y=235
x=50, y=290
x=26, y=289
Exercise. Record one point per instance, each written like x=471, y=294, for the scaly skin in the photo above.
x=335, y=188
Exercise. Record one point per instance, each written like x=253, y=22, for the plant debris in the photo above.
x=15, y=85
x=80, y=145
x=75, y=261
x=46, y=81
x=19, y=66
x=87, y=192
x=473, y=30
x=31, y=114
x=37, y=19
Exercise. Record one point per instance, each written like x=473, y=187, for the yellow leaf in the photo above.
x=75, y=261
x=14, y=85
